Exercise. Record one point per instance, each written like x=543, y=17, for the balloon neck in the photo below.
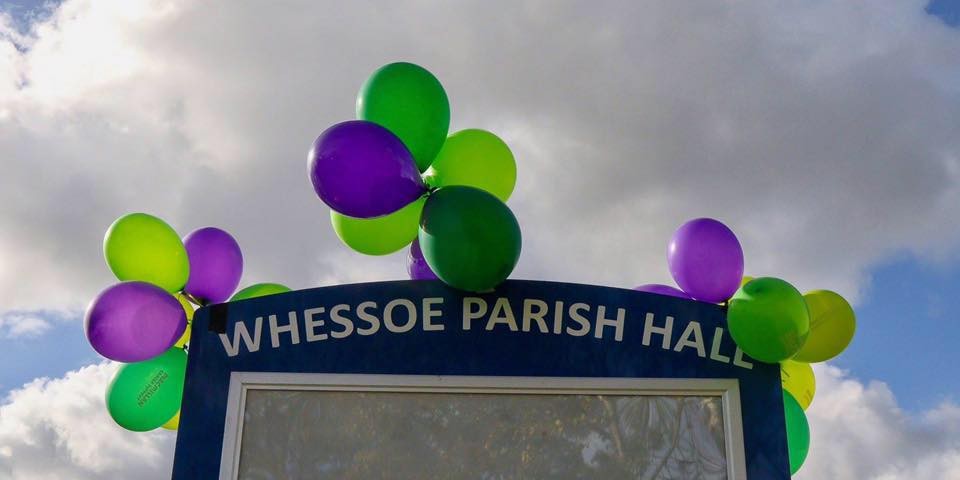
x=195, y=300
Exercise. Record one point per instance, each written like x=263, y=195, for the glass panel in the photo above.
x=380, y=435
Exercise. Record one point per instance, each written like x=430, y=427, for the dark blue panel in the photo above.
x=477, y=351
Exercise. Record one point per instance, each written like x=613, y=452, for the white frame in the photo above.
x=242, y=382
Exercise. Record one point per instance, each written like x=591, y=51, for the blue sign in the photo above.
x=524, y=328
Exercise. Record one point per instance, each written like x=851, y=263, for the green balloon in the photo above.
x=145, y=395
x=798, y=432
x=410, y=102
x=259, y=290
x=143, y=247
x=768, y=319
x=469, y=238
x=379, y=235
x=475, y=158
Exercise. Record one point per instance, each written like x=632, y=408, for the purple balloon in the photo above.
x=134, y=321
x=417, y=266
x=362, y=170
x=663, y=290
x=706, y=260
x=216, y=264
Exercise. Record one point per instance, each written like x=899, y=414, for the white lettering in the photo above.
x=529, y=314
x=557, y=318
x=366, y=317
x=310, y=325
x=617, y=324
x=693, y=328
x=577, y=317
x=715, y=347
x=429, y=312
x=739, y=361
x=411, y=315
x=341, y=320
x=290, y=327
x=502, y=313
x=240, y=332
x=649, y=330
x=469, y=314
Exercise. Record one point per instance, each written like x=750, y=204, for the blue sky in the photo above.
x=948, y=10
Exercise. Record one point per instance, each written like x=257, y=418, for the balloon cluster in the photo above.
x=144, y=321
x=394, y=178
x=769, y=319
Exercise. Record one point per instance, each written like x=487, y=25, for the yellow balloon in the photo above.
x=798, y=379
x=189, y=309
x=184, y=339
x=746, y=280
x=832, y=325
x=187, y=306
x=173, y=423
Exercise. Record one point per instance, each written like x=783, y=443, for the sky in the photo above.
x=824, y=133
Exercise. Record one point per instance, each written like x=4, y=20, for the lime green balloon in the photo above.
x=259, y=290
x=768, y=319
x=145, y=395
x=475, y=158
x=798, y=432
x=410, y=102
x=379, y=235
x=469, y=238
x=798, y=379
x=832, y=325
x=143, y=247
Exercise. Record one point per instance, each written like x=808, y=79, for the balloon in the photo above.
x=259, y=290
x=798, y=432
x=798, y=379
x=362, y=170
x=215, y=264
x=768, y=319
x=142, y=247
x=417, y=266
x=410, y=102
x=832, y=325
x=662, y=290
x=185, y=338
x=133, y=321
x=188, y=308
x=706, y=260
x=470, y=239
x=381, y=235
x=173, y=423
x=145, y=395
x=476, y=158
x=745, y=280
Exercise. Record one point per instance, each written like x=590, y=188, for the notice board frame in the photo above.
x=500, y=351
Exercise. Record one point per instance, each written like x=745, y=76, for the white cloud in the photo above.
x=52, y=429
x=59, y=428
x=823, y=133
x=16, y=324
x=858, y=431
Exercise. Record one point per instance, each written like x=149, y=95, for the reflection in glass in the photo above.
x=480, y=436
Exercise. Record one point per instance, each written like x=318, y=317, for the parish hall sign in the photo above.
x=523, y=329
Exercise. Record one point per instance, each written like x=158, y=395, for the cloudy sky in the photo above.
x=826, y=134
